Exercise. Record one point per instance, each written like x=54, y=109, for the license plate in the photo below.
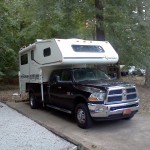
x=127, y=112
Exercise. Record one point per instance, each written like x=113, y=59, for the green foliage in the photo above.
x=127, y=28
x=126, y=25
x=8, y=63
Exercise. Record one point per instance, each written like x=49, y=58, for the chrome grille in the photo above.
x=131, y=96
x=123, y=94
x=114, y=98
x=112, y=92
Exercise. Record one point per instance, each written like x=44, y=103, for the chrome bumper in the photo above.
x=102, y=110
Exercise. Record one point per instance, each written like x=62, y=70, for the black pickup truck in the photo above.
x=87, y=93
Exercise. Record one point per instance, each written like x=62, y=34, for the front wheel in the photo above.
x=82, y=116
x=32, y=100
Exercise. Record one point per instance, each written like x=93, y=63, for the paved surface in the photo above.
x=115, y=135
x=18, y=132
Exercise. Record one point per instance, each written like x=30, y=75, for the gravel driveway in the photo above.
x=20, y=133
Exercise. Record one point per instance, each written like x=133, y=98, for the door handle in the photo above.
x=59, y=87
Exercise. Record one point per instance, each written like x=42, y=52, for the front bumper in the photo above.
x=106, y=111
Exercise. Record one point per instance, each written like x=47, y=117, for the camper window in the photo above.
x=24, y=59
x=47, y=52
x=88, y=48
x=32, y=55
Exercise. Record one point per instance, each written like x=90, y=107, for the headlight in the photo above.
x=97, y=96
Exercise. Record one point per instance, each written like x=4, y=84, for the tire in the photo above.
x=82, y=116
x=32, y=100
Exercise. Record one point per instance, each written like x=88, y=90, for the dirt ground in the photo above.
x=7, y=91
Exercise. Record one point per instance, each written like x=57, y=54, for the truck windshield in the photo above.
x=89, y=74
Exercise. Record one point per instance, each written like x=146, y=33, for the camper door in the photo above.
x=24, y=71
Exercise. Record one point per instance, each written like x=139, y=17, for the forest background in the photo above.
x=125, y=24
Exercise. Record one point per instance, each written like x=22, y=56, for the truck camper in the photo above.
x=61, y=74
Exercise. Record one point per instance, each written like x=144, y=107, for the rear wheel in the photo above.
x=32, y=100
x=82, y=116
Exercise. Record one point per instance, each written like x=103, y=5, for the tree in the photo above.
x=99, y=16
x=8, y=56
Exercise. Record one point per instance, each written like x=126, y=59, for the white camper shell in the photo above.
x=39, y=59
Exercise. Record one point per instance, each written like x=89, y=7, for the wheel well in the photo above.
x=34, y=88
x=77, y=101
x=30, y=92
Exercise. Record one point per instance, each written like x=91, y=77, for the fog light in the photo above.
x=100, y=108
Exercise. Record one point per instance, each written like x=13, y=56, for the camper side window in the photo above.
x=32, y=55
x=24, y=59
x=47, y=52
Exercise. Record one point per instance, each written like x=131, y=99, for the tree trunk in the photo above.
x=147, y=78
x=100, y=33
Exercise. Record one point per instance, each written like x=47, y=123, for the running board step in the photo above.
x=60, y=109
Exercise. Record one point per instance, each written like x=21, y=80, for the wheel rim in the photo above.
x=31, y=100
x=81, y=116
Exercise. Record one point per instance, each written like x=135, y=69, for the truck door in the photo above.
x=63, y=91
x=53, y=88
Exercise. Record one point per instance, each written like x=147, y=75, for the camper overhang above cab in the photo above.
x=78, y=51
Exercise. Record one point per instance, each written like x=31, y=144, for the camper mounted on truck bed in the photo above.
x=62, y=74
